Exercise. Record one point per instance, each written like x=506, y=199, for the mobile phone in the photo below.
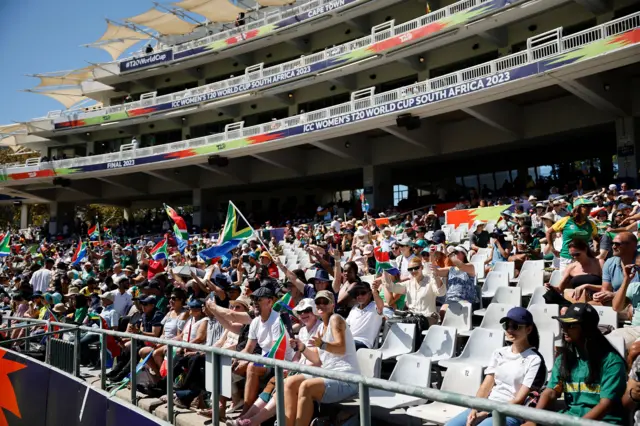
x=245, y=258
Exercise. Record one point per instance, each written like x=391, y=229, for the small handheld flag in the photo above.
x=5, y=249
x=94, y=232
x=80, y=253
x=160, y=251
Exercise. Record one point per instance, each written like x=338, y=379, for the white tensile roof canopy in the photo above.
x=117, y=39
x=65, y=78
x=67, y=96
x=213, y=10
x=163, y=23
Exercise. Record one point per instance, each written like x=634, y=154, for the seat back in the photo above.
x=607, y=316
x=537, y=297
x=543, y=318
x=367, y=278
x=494, y=280
x=508, y=267
x=546, y=349
x=464, y=380
x=458, y=316
x=532, y=265
x=495, y=312
x=508, y=296
x=480, y=258
x=412, y=370
x=479, y=267
x=439, y=343
x=481, y=345
x=370, y=362
x=400, y=336
x=530, y=279
x=556, y=278
x=617, y=342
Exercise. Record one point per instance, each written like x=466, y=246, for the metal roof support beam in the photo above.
x=415, y=63
x=596, y=7
x=131, y=184
x=599, y=94
x=174, y=178
x=283, y=161
x=349, y=82
x=228, y=172
x=502, y=115
x=349, y=148
x=497, y=36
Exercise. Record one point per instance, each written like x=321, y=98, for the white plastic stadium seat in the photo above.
x=529, y=280
x=506, y=295
x=478, y=350
x=410, y=370
x=532, y=265
x=370, y=362
x=465, y=381
x=556, y=278
x=607, y=316
x=543, y=318
x=508, y=267
x=495, y=312
x=479, y=258
x=479, y=267
x=618, y=343
x=537, y=296
x=458, y=316
x=439, y=343
x=400, y=340
x=546, y=349
x=494, y=280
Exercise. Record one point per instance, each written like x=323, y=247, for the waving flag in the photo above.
x=5, y=249
x=383, y=261
x=112, y=345
x=160, y=251
x=179, y=228
x=94, y=232
x=285, y=302
x=235, y=228
x=279, y=348
x=108, y=235
x=80, y=253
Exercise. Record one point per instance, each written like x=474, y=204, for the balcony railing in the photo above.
x=257, y=72
x=542, y=47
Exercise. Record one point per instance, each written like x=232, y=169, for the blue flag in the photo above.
x=218, y=251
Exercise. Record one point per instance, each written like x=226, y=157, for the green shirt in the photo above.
x=126, y=261
x=581, y=398
x=571, y=229
x=107, y=261
x=162, y=304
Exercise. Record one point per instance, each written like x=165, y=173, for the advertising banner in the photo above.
x=150, y=60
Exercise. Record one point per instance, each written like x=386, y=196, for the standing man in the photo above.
x=42, y=277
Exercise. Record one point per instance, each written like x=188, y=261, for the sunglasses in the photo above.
x=618, y=243
x=361, y=293
x=415, y=268
x=568, y=326
x=322, y=302
x=306, y=311
x=510, y=325
x=575, y=255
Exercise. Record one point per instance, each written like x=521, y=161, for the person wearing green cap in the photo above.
x=577, y=225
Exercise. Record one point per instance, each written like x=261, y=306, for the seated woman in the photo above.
x=584, y=276
x=265, y=407
x=589, y=371
x=173, y=323
x=513, y=371
x=334, y=349
x=500, y=250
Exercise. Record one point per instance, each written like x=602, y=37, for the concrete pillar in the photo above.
x=91, y=147
x=378, y=189
x=59, y=215
x=627, y=138
x=186, y=133
x=197, y=207
x=293, y=110
x=24, y=216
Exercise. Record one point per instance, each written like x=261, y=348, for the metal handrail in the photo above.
x=530, y=55
x=499, y=410
x=252, y=75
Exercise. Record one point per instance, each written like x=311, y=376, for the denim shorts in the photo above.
x=336, y=390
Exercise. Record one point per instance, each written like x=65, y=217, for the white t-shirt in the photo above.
x=511, y=371
x=40, y=280
x=403, y=265
x=305, y=335
x=336, y=226
x=267, y=333
x=365, y=323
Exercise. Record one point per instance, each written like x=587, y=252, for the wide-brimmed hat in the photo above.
x=243, y=301
x=60, y=308
x=73, y=290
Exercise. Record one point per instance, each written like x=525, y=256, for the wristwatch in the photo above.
x=323, y=346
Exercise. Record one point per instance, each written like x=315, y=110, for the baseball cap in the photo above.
x=518, y=315
x=262, y=292
x=325, y=294
x=195, y=303
x=321, y=275
x=405, y=242
x=149, y=300
x=580, y=313
x=305, y=304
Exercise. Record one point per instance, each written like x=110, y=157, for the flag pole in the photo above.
x=99, y=234
x=249, y=223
